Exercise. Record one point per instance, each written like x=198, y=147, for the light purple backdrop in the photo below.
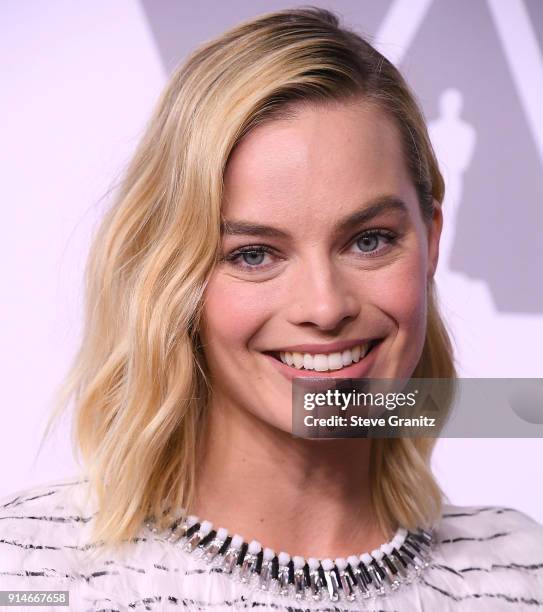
x=79, y=84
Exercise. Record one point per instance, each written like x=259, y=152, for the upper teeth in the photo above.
x=325, y=362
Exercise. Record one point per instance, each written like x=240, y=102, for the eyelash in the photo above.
x=236, y=255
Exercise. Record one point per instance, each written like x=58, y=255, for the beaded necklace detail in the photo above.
x=357, y=577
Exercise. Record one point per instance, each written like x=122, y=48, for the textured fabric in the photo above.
x=485, y=559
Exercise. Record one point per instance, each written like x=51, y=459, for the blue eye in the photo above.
x=249, y=258
x=368, y=242
x=252, y=258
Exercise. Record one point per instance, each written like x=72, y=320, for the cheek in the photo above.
x=233, y=313
x=400, y=293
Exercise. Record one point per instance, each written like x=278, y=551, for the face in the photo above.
x=325, y=260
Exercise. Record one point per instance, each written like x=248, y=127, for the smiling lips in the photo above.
x=326, y=361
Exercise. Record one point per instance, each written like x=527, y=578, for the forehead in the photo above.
x=324, y=161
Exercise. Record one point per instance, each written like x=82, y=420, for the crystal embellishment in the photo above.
x=358, y=577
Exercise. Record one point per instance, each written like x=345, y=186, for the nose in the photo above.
x=322, y=297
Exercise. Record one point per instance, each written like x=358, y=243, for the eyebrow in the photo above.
x=371, y=209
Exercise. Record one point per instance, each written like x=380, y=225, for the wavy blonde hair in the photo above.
x=139, y=382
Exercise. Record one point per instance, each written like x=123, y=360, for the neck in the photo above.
x=306, y=497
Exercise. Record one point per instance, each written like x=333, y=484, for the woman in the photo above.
x=281, y=217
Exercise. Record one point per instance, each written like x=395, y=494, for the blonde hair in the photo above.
x=139, y=381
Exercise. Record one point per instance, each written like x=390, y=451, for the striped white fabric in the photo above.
x=485, y=559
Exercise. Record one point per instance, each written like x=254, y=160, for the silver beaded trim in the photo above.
x=358, y=577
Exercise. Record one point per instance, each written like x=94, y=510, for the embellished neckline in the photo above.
x=357, y=577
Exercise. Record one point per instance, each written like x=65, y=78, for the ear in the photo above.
x=434, y=233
